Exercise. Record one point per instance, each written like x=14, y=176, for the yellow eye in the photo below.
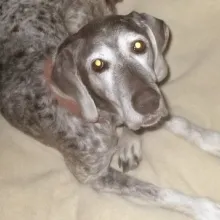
x=139, y=46
x=98, y=65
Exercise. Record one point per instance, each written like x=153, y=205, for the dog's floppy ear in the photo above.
x=159, y=35
x=67, y=83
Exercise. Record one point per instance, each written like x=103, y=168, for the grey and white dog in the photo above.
x=104, y=64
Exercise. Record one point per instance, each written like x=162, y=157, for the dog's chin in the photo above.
x=147, y=122
x=155, y=119
x=150, y=121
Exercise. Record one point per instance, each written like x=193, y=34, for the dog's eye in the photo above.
x=139, y=47
x=99, y=65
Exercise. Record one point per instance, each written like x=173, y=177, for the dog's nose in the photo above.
x=146, y=101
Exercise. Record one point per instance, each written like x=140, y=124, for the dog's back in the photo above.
x=31, y=30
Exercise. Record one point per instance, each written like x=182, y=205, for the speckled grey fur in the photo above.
x=32, y=30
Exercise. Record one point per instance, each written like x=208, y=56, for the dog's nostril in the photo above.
x=146, y=101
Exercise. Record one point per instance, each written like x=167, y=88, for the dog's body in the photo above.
x=33, y=30
x=122, y=91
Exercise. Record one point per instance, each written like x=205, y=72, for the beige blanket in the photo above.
x=36, y=185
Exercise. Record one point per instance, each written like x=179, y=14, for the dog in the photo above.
x=72, y=72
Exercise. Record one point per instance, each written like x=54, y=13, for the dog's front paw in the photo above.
x=207, y=210
x=130, y=153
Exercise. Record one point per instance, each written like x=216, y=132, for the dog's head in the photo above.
x=115, y=64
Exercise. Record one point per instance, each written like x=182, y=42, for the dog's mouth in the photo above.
x=152, y=120
x=149, y=120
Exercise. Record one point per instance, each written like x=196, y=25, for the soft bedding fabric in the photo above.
x=34, y=181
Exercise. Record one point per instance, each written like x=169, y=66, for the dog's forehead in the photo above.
x=109, y=27
x=107, y=32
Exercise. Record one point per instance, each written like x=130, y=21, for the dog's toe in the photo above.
x=130, y=156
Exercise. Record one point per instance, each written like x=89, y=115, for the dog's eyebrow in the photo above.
x=102, y=52
x=129, y=37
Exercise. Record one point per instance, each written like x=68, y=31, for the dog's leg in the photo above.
x=130, y=152
x=121, y=184
x=207, y=140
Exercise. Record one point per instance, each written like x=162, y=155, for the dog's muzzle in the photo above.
x=148, y=103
